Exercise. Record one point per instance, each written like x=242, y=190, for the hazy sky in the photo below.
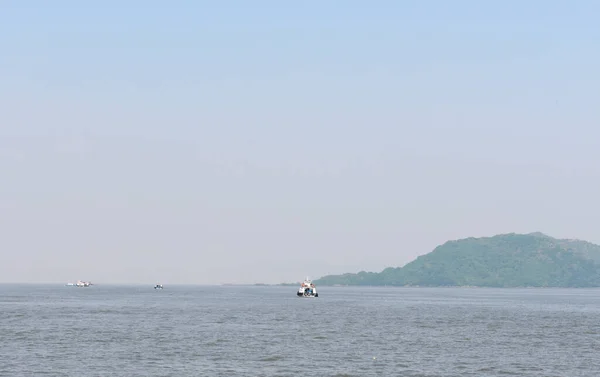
x=263, y=141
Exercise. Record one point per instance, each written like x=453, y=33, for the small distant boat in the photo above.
x=80, y=283
x=158, y=286
x=307, y=289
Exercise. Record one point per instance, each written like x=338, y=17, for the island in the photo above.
x=504, y=260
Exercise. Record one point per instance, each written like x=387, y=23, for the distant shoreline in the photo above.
x=140, y=285
x=512, y=260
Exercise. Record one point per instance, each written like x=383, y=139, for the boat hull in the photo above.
x=307, y=295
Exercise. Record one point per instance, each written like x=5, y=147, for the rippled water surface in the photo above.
x=268, y=331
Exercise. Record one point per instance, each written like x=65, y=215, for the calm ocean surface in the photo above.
x=268, y=331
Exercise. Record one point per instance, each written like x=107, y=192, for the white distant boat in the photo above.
x=80, y=283
x=307, y=289
x=158, y=286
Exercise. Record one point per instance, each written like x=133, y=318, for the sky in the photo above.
x=196, y=142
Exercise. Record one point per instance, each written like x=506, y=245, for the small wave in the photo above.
x=106, y=311
x=508, y=373
x=216, y=342
x=272, y=358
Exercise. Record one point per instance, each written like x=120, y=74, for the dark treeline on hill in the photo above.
x=506, y=260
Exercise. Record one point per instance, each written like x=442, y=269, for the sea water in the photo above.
x=102, y=330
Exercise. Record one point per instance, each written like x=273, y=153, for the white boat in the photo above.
x=158, y=286
x=80, y=283
x=307, y=289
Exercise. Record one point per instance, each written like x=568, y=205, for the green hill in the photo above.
x=506, y=260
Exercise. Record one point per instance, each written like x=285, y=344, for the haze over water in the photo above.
x=248, y=142
x=267, y=331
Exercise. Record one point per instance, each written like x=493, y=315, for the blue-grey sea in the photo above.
x=99, y=331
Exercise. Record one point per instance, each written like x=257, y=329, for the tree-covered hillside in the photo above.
x=507, y=260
